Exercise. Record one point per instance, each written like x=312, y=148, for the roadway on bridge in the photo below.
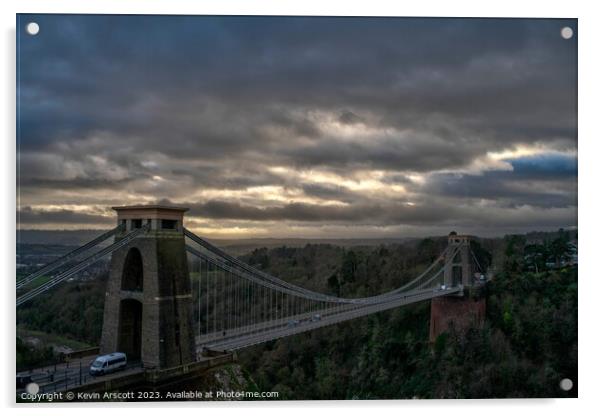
x=328, y=317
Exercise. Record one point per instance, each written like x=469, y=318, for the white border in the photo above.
x=590, y=176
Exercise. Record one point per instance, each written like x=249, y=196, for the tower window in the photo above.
x=169, y=224
x=136, y=224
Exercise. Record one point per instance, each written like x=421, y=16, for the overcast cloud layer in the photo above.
x=306, y=127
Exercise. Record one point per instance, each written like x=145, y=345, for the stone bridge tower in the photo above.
x=457, y=312
x=148, y=302
x=458, y=265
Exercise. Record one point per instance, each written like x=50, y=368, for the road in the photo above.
x=72, y=374
x=329, y=317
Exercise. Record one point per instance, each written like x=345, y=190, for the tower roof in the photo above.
x=150, y=207
x=150, y=211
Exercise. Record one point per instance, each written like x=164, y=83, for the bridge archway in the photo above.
x=457, y=258
x=132, y=277
x=456, y=275
x=130, y=328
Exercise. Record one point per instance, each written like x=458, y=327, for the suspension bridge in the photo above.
x=157, y=314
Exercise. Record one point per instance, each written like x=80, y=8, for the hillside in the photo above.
x=528, y=343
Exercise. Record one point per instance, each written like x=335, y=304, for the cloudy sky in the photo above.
x=299, y=127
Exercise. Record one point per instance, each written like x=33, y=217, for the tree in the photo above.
x=334, y=285
x=514, y=252
x=349, y=266
x=427, y=250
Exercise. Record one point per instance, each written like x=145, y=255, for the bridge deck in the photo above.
x=266, y=332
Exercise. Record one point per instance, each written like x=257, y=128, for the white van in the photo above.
x=104, y=364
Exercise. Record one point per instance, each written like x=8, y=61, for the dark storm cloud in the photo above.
x=107, y=69
x=434, y=212
x=362, y=213
x=28, y=216
x=331, y=192
x=165, y=106
x=502, y=188
x=417, y=152
x=74, y=183
x=348, y=117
